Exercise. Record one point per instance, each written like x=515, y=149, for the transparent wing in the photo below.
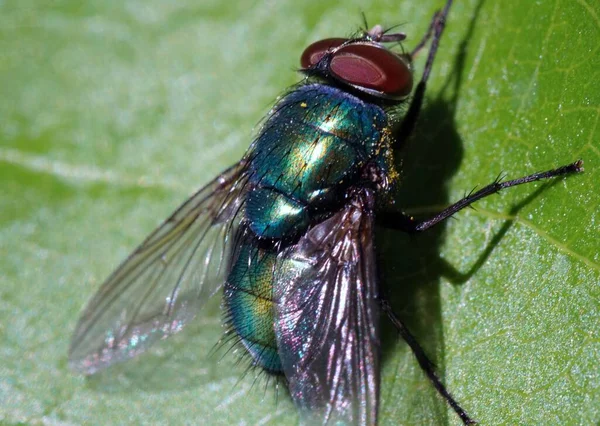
x=160, y=287
x=327, y=318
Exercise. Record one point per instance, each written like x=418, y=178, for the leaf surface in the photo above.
x=113, y=112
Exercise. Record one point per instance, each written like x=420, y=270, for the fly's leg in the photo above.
x=427, y=36
x=408, y=224
x=438, y=23
x=436, y=28
x=424, y=362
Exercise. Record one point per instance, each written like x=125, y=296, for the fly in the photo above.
x=287, y=233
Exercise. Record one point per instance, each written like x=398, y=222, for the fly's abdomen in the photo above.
x=310, y=149
x=248, y=301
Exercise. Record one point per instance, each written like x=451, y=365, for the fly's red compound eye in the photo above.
x=370, y=67
x=313, y=53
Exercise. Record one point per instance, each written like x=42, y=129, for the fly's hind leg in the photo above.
x=424, y=362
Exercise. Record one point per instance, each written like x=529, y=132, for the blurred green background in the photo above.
x=111, y=113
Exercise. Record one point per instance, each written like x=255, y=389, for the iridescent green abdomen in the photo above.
x=313, y=144
x=248, y=302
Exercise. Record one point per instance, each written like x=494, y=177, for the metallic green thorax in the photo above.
x=312, y=148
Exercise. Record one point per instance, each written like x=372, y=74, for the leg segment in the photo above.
x=438, y=24
x=425, y=363
x=436, y=28
x=407, y=224
x=427, y=35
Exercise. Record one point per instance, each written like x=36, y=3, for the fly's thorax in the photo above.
x=312, y=147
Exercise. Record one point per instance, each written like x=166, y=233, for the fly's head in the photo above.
x=364, y=64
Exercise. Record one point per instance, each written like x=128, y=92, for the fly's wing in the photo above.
x=327, y=318
x=160, y=287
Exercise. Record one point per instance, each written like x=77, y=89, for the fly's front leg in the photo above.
x=408, y=224
x=438, y=23
x=436, y=28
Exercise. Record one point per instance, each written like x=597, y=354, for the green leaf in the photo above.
x=113, y=112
